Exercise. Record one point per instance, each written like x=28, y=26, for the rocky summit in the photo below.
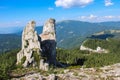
x=38, y=50
x=111, y=72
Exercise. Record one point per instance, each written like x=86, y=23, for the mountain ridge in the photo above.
x=72, y=33
x=14, y=30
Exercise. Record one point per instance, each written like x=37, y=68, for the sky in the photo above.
x=16, y=13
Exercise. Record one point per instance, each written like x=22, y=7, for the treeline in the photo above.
x=7, y=63
x=113, y=45
x=84, y=58
x=94, y=43
x=89, y=59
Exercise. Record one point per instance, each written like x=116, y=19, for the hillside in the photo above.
x=70, y=33
x=76, y=63
x=82, y=64
x=106, y=34
x=111, y=72
x=59, y=39
x=9, y=42
x=110, y=23
x=12, y=41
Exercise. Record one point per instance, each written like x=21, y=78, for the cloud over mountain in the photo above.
x=72, y=3
x=96, y=18
x=108, y=3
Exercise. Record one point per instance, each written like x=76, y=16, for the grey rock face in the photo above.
x=49, y=32
x=48, y=41
x=30, y=45
x=43, y=65
x=111, y=72
x=39, y=46
x=51, y=77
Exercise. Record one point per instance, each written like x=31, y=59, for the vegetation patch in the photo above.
x=23, y=59
x=73, y=58
x=7, y=63
x=94, y=43
x=84, y=58
x=36, y=57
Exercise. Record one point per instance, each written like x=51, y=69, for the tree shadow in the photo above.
x=79, y=62
x=103, y=36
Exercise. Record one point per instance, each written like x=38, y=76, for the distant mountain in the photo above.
x=110, y=23
x=106, y=34
x=9, y=41
x=70, y=33
x=12, y=40
x=10, y=30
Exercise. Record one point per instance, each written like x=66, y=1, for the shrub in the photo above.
x=7, y=63
x=36, y=58
x=23, y=59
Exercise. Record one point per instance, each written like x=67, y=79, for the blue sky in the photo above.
x=16, y=13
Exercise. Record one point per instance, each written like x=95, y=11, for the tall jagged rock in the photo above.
x=30, y=46
x=38, y=50
x=48, y=41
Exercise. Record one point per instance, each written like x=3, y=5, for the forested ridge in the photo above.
x=70, y=58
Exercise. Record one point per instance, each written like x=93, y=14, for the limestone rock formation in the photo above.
x=43, y=65
x=48, y=41
x=97, y=50
x=38, y=50
x=111, y=72
x=30, y=46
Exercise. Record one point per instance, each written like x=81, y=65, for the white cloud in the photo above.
x=83, y=17
x=50, y=8
x=108, y=3
x=109, y=17
x=118, y=16
x=94, y=18
x=91, y=16
x=72, y=3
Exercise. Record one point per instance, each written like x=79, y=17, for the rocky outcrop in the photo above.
x=38, y=50
x=30, y=46
x=111, y=72
x=98, y=49
x=43, y=65
x=48, y=41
